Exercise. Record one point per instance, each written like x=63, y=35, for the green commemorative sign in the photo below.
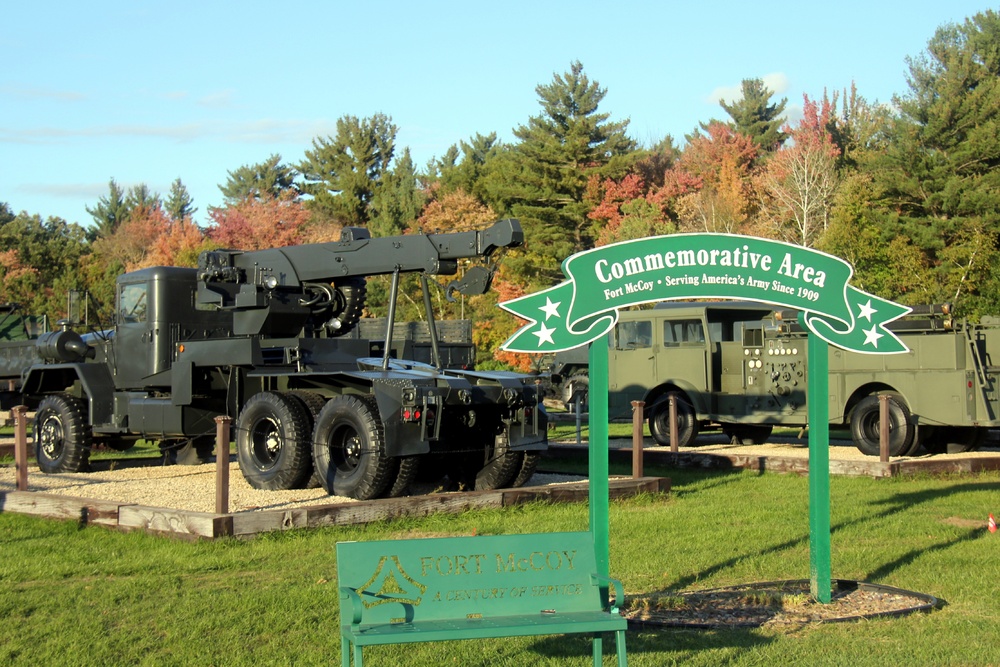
x=703, y=266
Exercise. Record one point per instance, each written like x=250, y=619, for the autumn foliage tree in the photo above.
x=799, y=181
x=721, y=163
x=258, y=223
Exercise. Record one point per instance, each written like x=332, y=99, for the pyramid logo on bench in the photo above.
x=391, y=583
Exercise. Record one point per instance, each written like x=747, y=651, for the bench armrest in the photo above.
x=356, y=607
x=597, y=579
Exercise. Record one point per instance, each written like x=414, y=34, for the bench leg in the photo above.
x=598, y=644
x=620, y=647
x=345, y=653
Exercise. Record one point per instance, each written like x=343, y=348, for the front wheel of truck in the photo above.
x=687, y=422
x=62, y=437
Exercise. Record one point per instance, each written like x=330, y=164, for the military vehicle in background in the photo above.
x=261, y=337
x=742, y=366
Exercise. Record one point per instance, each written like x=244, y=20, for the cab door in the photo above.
x=632, y=363
x=133, y=356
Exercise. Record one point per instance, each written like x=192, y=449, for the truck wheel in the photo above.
x=747, y=434
x=406, y=469
x=272, y=442
x=951, y=439
x=494, y=467
x=349, y=448
x=865, y=426
x=313, y=403
x=528, y=467
x=62, y=437
x=687, y=423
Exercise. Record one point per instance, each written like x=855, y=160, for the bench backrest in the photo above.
x=468, y=577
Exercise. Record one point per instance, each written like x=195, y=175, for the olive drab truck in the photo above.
x=741, y=367
x=261, y=337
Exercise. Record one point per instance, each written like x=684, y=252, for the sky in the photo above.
x=149, y=92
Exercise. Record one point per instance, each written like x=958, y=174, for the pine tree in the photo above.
x=178, y=205
x=266, y=179
x=559, y=151
x=940, y=176
x=754, y=116
x=341, y=173
x=110, y=211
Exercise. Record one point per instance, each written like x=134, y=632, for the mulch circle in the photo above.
x=773, y=603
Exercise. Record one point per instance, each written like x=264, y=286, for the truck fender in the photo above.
x=654, y=397
x=95, y=380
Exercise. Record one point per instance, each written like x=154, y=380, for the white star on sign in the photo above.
x=544, y=335
x=550, y=309
x=867, y=311
x=872, y=336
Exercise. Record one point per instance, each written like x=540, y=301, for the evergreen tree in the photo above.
x=342, y=173
x=396, y=202
x=559, y=151
x=940, y=176
x=754, y=116
x=140, y=196
x=178, y=205
x=6, y=214
x=265, y=179
x=110, y=211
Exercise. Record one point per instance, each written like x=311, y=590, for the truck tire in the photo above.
x=405, y=469
x=528, y=467
x=687, y=423
x=494, y=467
x=747, y=434
x=865, y=426
x=61, y=434
x=313, y=403
x=349, y=448
x=951, y=439
x=272, y=442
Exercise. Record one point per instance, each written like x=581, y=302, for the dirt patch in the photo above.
x=773, y=603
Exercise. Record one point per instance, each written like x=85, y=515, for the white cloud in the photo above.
x=42, y=94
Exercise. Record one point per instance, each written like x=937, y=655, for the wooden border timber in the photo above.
x=871, y=467
x=206, y=525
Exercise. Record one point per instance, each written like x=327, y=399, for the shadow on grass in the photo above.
x=669, y=644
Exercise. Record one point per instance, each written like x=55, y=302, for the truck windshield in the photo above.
x=676, y=332
x=132, y=303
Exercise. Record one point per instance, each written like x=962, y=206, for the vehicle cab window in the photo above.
x=132, y=303
x=634, y=335
x=676, y=332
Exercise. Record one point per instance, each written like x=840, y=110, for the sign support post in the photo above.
x=598, y=457
x=819, y=468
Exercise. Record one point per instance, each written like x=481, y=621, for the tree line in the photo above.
x=908, y=192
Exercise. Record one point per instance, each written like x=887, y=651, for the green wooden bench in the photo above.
x=440, y=589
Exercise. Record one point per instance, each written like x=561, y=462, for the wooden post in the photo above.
x=883, y=428
x=674, y=434
x=222, y=464
x=637, y=438
x=21, y=447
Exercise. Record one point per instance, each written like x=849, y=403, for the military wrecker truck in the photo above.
x=261, y=337
x=741, y=367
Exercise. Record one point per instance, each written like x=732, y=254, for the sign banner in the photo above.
x=703, y=266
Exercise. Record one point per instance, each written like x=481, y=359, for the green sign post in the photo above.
x=584, y=308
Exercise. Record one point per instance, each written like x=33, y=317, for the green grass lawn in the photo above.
x=89, y=596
